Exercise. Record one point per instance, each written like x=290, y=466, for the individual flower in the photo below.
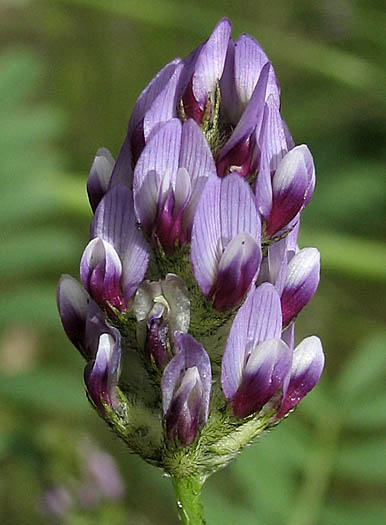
x=307, y=367
x=169, y=178
x=161, y=308
x=274, y=142
x=225, y=248
x=292, y=186
x=245, y=61
x=256, y=362
x=239, y=153
x=186, y=385
x=114, y=261
x=203, y=71
x=99, y=342
x=156, y=105
x=301, y=282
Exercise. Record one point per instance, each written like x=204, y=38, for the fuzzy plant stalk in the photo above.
x=192, y=279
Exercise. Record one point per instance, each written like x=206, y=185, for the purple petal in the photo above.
x=115, y=222
x=149, y=95
x=182, y=420
x=292, y=187
x=230, y=103
x=267, y=369
x=238, y=211
x=206, y=234
x=226, y=208
x=123, y=169
x=273, y=147
x=161, y=155
x=190, y=354
x=196, y=157
x=72, y=300
x=307, y=367
x=302, y=280
x=258, y=319
x=101, y=376
x=163, y=107
x=99, y=178
x=100, y=272
x=172, y=200
x=157, y=337
x=249, y=62
x=210, y=62
x=238, y=266
x=249, y=122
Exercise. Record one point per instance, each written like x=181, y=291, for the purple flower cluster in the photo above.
x=208, y=178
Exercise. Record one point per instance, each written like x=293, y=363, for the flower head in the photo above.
x=193, y=244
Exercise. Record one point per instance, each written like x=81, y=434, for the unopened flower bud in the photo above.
x=186, y=385
x=292, y=188
x=307, y=367
x=256, y=362
x=301, y=282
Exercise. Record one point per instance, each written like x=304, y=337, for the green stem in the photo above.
x=189, y=505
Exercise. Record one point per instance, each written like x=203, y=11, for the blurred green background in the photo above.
x=70, y=72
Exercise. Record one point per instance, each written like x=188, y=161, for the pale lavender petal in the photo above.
x=273, y=147
x=196, y=157
x=151, y=92
x=210, y=62
x=238, y=211
x=249, y=61
x=230, y=102
x=307, y=367
x=163, y=108
x=115, y=222
x=258, y=319
x=292, y=237
x=72, y=301
x=292, y=187
x=99, y=178
x=226, y=208
x=267, y=370
x=302, y=280
x=278, y=263
x=205, y=245
x=147, y=198
x=238, y=267
x=123, y=169
x=161, y=155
